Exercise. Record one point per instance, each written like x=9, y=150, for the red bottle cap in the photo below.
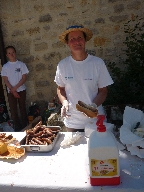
x=100, y=126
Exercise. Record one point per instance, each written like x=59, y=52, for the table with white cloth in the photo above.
x=63, y=169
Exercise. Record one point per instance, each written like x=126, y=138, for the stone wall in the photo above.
x=33, y=26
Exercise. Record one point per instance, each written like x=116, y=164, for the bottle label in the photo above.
x=104, y=167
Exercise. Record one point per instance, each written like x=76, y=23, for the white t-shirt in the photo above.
x=81, y=80
x=14, y=72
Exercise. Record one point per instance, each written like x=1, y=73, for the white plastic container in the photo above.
x=103, y=156
x=91, y=126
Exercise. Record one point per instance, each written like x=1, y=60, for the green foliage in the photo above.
x=128, y=87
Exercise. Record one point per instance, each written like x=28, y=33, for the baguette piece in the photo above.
x=86, y=109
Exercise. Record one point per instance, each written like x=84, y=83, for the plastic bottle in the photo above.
x=45, y=116
x=103, y=156
x=30, y=118
x=30, y=115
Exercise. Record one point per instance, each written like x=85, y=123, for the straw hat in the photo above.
x=88, y=32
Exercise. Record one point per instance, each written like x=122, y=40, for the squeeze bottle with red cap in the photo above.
x=103, y=156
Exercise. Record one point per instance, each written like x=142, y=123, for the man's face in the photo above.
x=76, y=41
x=11, y=54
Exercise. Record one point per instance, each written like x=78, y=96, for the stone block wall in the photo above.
x=33, y=28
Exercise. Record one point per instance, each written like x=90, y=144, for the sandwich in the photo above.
x=88, y=110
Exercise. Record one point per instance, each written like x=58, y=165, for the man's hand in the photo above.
x=93, y=105
x=64, y=108
x=12, y=90
x=16, y=95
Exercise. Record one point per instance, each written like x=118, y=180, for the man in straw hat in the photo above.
x=80, y=76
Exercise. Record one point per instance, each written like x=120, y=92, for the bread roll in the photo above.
x=86, y=109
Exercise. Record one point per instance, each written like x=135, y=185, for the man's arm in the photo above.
x=21, y=82
x=61, y=94
x=62, y=97
x=6, y=81
x=12, y=89
x=101, y=96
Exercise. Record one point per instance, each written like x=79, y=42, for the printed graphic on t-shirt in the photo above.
x=66, y=78
x=88, y=79
x=17, y=70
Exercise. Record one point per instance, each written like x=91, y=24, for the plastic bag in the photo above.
x=7, y=127
x=34, y=110
x=3, y=112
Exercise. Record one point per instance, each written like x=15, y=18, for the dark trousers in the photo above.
x=14, y=103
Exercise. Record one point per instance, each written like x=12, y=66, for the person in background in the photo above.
x=80, y=76
x=14, y=73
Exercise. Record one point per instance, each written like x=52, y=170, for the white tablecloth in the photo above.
x=63, y=170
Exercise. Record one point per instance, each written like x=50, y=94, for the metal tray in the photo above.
x=41, y=148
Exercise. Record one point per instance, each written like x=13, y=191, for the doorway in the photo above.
x=3, y=91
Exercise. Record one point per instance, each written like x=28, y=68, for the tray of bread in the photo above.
x=40, y=138
x=9, y=147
